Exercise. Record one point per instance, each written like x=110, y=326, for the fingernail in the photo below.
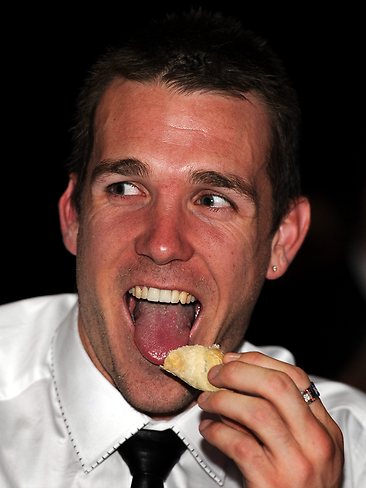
x=203, y=397
x=231, y=356
x=214, y=371
x=204, y=424
x=201, y=400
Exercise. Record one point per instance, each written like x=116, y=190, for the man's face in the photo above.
x=176, y=198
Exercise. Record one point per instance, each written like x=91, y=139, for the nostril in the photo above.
x=165, y=237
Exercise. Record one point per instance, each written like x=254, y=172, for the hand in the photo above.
x=270, y=432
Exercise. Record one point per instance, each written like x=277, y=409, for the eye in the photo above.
x=214, y=201
x=123, y=188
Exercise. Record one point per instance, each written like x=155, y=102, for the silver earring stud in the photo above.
x=274, y=268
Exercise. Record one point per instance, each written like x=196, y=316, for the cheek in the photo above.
x=230, y=248
x=103, y=237
x=238, y=260
x=94, y=263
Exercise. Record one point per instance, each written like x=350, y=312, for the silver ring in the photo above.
x=310, y=394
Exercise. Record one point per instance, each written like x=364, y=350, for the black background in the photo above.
x=314, y=309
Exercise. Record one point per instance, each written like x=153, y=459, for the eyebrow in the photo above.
x=123, y=167
x=224, y=180
x=135, y=167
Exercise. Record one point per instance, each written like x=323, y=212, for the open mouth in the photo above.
x=163, y=320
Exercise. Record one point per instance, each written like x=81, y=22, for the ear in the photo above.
x=289, y=238
x=69, y=218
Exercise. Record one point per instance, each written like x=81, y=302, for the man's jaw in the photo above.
x=163, y=319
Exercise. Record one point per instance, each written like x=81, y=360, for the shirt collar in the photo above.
x=96, y=416
x=211, y=460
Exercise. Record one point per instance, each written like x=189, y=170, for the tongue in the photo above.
x=160, y=328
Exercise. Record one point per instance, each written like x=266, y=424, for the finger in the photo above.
x=254, y=416
x=242, y=448
x=280, y=384
x=298, y=376
x=259, y=470
x=258, y=466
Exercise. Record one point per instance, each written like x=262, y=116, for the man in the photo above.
x=183, y=199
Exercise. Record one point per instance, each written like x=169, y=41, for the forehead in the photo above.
x=151, y=121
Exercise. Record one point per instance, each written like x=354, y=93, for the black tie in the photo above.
x=151, y=455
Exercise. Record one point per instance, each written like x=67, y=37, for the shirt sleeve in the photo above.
x=354, y=435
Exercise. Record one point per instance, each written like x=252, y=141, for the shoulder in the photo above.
x=26, y=320
x=26, y=330
x=30, y=310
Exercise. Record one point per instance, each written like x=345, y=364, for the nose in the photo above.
x=165, y=236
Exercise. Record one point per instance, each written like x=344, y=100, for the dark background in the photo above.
x=315, y=309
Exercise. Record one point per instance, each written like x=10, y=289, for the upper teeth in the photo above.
x=164, y=296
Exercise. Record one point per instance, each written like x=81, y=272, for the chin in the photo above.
x=164, y=399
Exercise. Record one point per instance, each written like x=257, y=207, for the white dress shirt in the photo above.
x=61, y=421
